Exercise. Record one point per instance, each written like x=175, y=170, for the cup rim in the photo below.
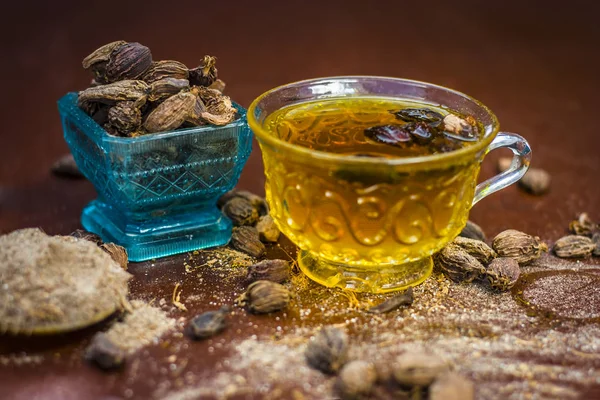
x=263, y=135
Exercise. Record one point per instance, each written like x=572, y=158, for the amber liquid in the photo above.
x=374, y=217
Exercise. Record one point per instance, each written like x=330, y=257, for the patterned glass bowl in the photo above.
x=157, y=194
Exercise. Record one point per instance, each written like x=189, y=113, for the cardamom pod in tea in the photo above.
x=114, y=92
x=263, y=297
x=208, y=324
x=165, y=69
x=164, y=88
x=269, y=270
x=473, y=231
x=502, y=273
x=240, y=211
x=205, y=74
x=104, y=353
x=418, y=368
x=171, y=113
x=327, y=351
x=356, y=379
x=451, y=386
x=246, y=240
x=583, y=225
x=267, y=230
x=125, y=117
x=458, y=265
x=478, y=249
x=518, y=245
x=574, y=246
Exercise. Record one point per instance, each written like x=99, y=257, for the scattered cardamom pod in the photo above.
x=404, y=298
x=478, y=249
x=165, y=69
x=258, y=202
x=208, y=324
x=269, y=270
x=125, y=117
x=452, y=386
x=472, y=231
x=115, y=92
x=458, y=265
x=66, y=167
x=240, y=211
x=171, y=113
x=518, y=245
x=117, y=253
x=596, y=241
x=205, y=74
x=583, y=225
x=218, y=85
x=327, y=351
x=267, y=230
x=502, y=273
x=245, y=239
x=503, y=164
x=164, y=88
x=535, y=181
x=128, y=61
x=263, y=297
x=574, y=246
x=356, y=380
x=85, y=235
x=104, y=353
x=418, y=368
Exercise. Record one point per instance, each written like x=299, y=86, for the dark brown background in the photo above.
x=534, y=63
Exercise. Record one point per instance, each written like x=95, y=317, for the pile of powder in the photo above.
x=51, y=284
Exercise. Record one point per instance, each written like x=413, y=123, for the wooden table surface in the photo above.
x=534, y=63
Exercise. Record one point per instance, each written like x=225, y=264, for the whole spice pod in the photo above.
x=263, y=297
x=104, y=353
x=125, y=117
x=117, y=253
x=205, y=74
x=99, y=58
x=129, y=90
x=417, y=368
x=596, y=241
x=258, y=202
x=165, y=69
x=473, y=231
x=478, y=249
x=218, y=109
x=452, y=386
x=66, y=167
x=267, y=230
x=129, y=61
x=404, y=298
x=502, y=273
x=574, y=246
x=240, y=211
x=356, y=380
x=535, y=181
x=518, y=245
x=269, y=270
x=328, y=350
x=245, y=239
x=458, y=265
x=164, y=88
x=208, y=324
x=171, y=113
x=583, y=225
x=85, y=235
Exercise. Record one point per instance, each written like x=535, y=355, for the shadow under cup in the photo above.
x=372, y=224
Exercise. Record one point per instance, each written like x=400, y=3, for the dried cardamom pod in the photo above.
x=458, y=265
x=218, y=85
x=503, y=164
x=208, y=324
x=258, y=202
x=596, y=240
x=451, y=386
x=85, y=235
x=67, y=167
x=245, y=239
x=503, y=273
x=117, y=253
x=473, y=231
x=535, y=181
x=263, y=297
x=240, y=212
x=574, y=246
x=129, y=61
x=204, y=74
x=99, y=58
x=327, y=351
x=165, y=69
x=404, y=298
x=269, y=270
x=418, y=368
x=125, y=117
x=583, y=225
x=115, y=92
x=518, y=245
x=171, y=113
x=104, y=353
x=458, y=126
x=356, y=380
x=478, y=249
x=167, y=87
x=218, y=108
x=267, y=230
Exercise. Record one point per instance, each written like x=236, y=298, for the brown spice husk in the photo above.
x=267, y=230
x=473, y=231
x=277, y=271
x=458, y=265
x=518, y=245
x=240, y=211
x=117, y=253
x=66, y=167
x=478, y=249
x=502, y=273
x=574, y=246
x=264, y=297
x=583, y=225
x=246, y=239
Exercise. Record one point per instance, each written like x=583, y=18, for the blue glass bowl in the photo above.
x=157, y=194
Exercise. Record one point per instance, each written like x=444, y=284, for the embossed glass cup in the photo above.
x=371, y=224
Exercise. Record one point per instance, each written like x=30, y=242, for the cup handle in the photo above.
x=518, y=167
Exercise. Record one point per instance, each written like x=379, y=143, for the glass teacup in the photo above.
x=371, y=224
